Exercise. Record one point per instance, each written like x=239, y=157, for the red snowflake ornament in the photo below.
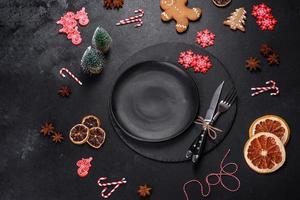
x=261, y=10
x=198, y=62
x=205, y=38
x=201, y=63
x=264, y=17
x=186, y=59
x=267, y=23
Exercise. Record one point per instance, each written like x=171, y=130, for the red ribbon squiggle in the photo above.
x=219, y=176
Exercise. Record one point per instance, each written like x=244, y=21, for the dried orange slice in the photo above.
x=79, y=134
x=96, y=137
x=272, y=124
x=264, y=153
x=91, y=121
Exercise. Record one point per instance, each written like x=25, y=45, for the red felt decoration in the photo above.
x=198, y=62
x=69, y=23
x=205, y=38
x=186, y=58
x=264, y=17
x=267, y=23
x=201, y=63
x=261, y=10
x=83, y=166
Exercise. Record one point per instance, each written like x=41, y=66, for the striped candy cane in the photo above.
x=116, y=183
x=124, y=22
x=62, y=70
x=133, y=19
x=141, y=11
x=260, y=90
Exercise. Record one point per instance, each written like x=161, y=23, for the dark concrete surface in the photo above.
x=32, y=52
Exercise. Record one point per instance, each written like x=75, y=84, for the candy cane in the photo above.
x=265, y=89
x=124, y=22
x=61, y=71
x=141, y=11
x=133, y=19
x=116, y=183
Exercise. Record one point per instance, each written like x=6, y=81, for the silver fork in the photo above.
x=225, y=104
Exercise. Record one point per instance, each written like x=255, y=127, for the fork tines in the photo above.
x=230, y=97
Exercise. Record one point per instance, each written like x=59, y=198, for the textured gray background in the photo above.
x=32, y=52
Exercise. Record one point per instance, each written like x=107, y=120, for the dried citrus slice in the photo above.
x=79, y=134
x=264, y=152
x=272, y=124
x=96, y=137
x=91, y=121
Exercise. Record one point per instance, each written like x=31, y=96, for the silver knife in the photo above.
x=197, y=146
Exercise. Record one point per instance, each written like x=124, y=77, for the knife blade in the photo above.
x=199, y=141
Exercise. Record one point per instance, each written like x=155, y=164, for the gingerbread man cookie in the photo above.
x=177, y=10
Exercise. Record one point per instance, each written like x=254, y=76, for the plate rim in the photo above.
x=153, y=140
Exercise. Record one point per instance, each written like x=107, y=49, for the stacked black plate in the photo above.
x=154, y=102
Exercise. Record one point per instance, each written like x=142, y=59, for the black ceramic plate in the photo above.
x=174, y=150
x=154, y=101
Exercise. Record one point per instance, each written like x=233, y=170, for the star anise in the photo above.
x=112, y=4
x=118, y=3
x=253, y=64
x=57, y=137
x=47, y=129
x=273, y=59
x=144, y=191
x=265, y=50
x=64, y=91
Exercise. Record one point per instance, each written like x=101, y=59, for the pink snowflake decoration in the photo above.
x=261, y=10
x=186, y=58
x=267, y=23
x=198, y=62
x=201, y=63
x=205, y=38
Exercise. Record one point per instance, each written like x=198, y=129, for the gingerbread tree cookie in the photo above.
x=177, y=10
x=237, y=19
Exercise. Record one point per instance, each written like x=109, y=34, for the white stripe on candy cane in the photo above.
x=62, y=70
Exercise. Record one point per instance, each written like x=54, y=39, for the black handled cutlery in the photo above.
x=223, y=106
x=197, y=146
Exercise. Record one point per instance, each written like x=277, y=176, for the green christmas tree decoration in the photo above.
x=101, y=39
x=92, y=61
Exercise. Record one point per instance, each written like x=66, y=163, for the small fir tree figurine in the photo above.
x=92, y=61
x=237, y=19
x=101, y=39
